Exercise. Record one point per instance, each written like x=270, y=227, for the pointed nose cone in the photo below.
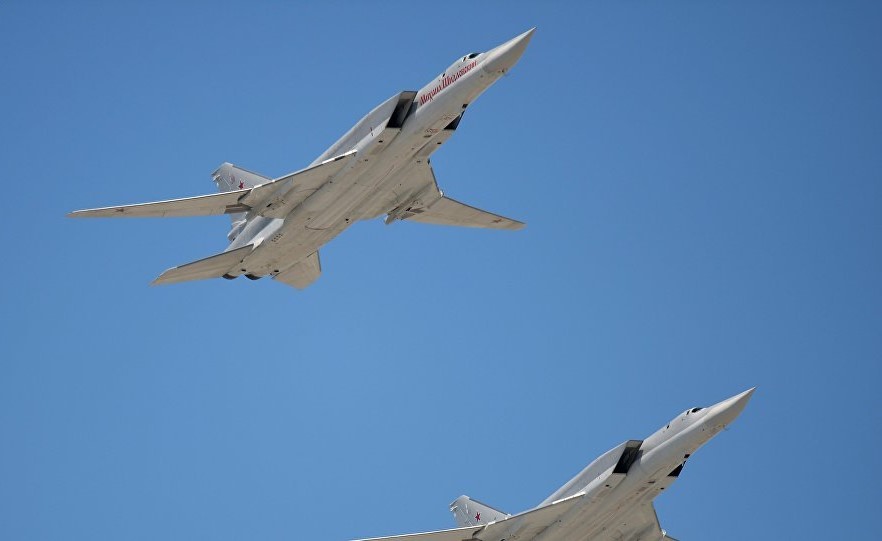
x=501, y=59
x=726, y=411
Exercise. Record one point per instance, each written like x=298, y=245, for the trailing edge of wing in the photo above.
x=447, y=211
x=211, y=267
x=442, y=210
x=298, y=184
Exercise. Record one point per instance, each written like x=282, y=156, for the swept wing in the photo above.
x=290, y=189
x=524, y=526
x=447, y=211
x=640, y=523
x=443, y=210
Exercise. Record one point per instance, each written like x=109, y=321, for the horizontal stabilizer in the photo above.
x=447, y=211
x=282, y=193
x=210, y=267
x=302, y=273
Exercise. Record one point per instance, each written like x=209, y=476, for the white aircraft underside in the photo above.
x=381, y=166
x=610, y=500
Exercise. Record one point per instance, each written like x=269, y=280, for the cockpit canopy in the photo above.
x=459, y=64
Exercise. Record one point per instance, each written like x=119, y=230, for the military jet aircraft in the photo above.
x=380, y=166
x=611, y=499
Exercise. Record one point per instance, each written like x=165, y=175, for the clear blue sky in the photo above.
x=702, y=184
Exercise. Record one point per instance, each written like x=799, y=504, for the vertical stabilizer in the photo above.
x=469, y=512
x=230, y=178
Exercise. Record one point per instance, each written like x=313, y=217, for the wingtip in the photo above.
x=515, y=225
x=161, y=280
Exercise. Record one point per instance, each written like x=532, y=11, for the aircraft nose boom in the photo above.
x=726, y=411
x=502, y=58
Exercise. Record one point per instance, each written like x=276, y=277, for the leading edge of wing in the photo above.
x=200, y=205
x=455, y=534
x=225, y=202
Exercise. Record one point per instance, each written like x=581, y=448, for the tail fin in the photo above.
x=469, y=512
x=229, y=178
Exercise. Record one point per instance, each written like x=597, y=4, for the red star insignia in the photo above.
x=478, y=517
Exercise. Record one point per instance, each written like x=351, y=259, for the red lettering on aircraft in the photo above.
x=446, y=81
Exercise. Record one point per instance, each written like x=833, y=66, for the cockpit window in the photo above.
x=469, y=57
x=696, y=409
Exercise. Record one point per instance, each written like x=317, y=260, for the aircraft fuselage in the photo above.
x=378, y=181
x=380, y=166
x=657, y=464
x=611, y=499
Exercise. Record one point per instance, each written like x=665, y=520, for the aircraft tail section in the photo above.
x=230, y=178
x=214, y=266
x=469, y=512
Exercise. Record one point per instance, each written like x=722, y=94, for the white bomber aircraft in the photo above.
x=610, y=500
x=380, y=166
